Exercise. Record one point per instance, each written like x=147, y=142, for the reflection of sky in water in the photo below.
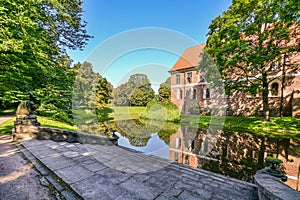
x=155, y=146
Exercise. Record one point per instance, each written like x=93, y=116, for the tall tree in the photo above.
x=103, y=98
x=33, y=42
x=248, y=38
x=164, y=91
x=140, y=91
x=136, y=92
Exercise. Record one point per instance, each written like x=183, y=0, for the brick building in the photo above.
x=192, y=94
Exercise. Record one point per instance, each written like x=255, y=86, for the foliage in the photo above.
x=164, y=91
x=34, y=65
x=273, y=160
x=102, y=99
x=91, y=92
x=6, y=127
x=136, y=92
x=248, y=38
x=161, y=111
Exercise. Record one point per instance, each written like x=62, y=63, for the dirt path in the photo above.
x=18, y=179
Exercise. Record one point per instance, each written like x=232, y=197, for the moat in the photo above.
x=234, y=154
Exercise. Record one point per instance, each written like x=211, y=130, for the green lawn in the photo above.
x=279, y=127
x=5, y=128
x=127, y=112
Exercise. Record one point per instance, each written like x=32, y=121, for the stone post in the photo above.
x=26, y=123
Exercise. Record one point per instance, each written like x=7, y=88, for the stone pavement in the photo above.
x=112, y=172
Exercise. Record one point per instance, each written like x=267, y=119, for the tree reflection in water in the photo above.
x=233, y=154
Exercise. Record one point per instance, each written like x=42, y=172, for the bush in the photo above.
x=166, y=111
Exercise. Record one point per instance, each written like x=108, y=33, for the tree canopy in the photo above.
x=136, y=92
x=247, y=39
x=164, y=91
x=33, y=61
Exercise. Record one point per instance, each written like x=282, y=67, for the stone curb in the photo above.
x=270, y=187
x=58, y=184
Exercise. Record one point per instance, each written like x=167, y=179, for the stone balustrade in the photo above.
x=271, y=188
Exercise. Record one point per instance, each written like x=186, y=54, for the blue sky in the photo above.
x=148, y=36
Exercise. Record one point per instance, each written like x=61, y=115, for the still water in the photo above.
x=233, y=154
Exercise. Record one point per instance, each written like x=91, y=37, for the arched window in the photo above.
x=274, y=89
x=207, y=93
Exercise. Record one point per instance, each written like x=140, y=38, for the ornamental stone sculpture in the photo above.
x=26, y=121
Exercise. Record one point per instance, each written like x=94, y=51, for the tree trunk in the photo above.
x=265, y=97
x=282, y=87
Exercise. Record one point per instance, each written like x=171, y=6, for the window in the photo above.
x=176, y=156
x=207, y=93
x=187, y=160
x=177, y=143
x=189, y=77
x=179, y=94
x=274, y=89
x=177, y=78
x=194, y=93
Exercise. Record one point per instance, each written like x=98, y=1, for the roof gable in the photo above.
x=189, y=58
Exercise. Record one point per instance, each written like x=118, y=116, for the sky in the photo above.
x=143, y=36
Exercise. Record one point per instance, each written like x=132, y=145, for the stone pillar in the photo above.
x=26, y=123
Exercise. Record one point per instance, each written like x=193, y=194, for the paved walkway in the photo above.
x=18, y=179
x=111, y=172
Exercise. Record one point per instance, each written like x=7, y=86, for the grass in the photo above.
x=5, y=128
x=127, y=112
x=277, y=127
x=48, y=122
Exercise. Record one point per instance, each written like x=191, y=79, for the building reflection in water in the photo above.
x=237, y=155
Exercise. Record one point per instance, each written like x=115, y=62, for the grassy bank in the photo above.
x=279, y=127
x=5, y=128
x=127, y=112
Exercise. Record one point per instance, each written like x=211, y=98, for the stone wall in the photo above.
x=271, y=188
x=27, y=127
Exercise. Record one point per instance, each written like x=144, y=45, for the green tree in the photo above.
x=139, y=90
x=103, y=98
x=85, y=86
x=248, y=38
x=33, y=42
x=136, y=92
x=120, y=96
x=164, y=91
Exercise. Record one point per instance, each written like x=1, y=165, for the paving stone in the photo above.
x=98, y=187
x=71, y=154
x=94, y=167
x=190, y=196
x=73, y=174
x=86, y=169
x=60, y=163
x=141, y=190
x=114, y=175
x=128, y=196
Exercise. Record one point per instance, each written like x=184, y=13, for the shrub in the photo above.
x=165, y=110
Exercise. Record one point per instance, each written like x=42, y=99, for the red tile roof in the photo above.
x=189, y=58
